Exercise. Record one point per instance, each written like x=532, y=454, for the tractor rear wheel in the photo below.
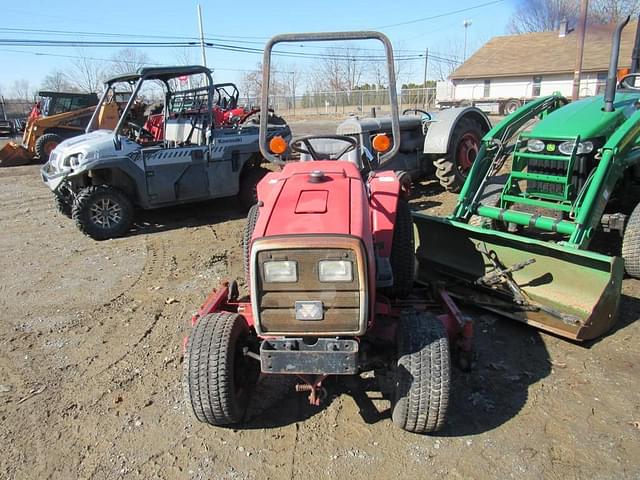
x=631, y=244
x=218, y=377
x=452, y=169
x=248, y=194
x=45, y=145
x=423, y=373
x=102, y=211
x=402, y=253
x=249, y=227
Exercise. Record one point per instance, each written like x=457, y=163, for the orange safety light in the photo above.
x=278, y=145
x=381, y=143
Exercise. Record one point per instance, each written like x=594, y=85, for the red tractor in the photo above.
x=329, y=258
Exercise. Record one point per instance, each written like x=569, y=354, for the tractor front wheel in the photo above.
x=452, y=169
x=631, y=244
x=218, y=377
x=402, y=253
x=422, y=373
x=45, y=145
x=102, y=212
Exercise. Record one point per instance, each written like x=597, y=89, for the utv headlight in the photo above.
x=535, y=145
x=280, y=271
x=335, y=271
x=566, y=148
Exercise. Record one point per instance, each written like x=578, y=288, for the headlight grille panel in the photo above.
x=342, y=301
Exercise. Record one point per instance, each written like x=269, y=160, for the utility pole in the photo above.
x=424, y=82
x=582, y=26
x=466, y=24
x=204, y=56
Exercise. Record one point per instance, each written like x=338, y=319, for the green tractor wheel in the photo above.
x=631, y=244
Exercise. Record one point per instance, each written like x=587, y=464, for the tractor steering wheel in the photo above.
x=623, y=83
x=417, y=110
x=303, y=145
x=140, y=131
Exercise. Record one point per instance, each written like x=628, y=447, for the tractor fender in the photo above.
x=438, y=138
x=385, y=188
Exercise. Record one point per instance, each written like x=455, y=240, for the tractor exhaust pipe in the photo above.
x=635, y=56
x=612, y=77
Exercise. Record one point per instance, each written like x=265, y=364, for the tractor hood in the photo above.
x=586, y=118
x=321, y=197
x=75, y=152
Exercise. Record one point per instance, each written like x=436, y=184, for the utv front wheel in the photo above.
x=218, y=377
x=63, y=205
x=102, y=212
x=423, y=373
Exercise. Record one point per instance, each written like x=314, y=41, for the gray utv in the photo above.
x=99, y=178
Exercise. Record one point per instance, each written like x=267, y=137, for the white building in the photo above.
x=509, y=70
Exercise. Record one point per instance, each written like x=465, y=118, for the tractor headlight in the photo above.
x=566, y=148
x=280, y=271
x=335, y=271
x=535, y=145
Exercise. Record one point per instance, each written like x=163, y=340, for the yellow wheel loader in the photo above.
x=55, y=117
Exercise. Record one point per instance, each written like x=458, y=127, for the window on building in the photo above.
x=601, y=80
x=535, y=89
x=487, y=88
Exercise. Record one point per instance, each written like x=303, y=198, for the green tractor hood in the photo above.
x=586, y=118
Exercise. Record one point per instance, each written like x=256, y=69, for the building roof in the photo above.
x=543, y=53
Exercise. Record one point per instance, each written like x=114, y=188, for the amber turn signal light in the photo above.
x=278, y=145
x=381, y=143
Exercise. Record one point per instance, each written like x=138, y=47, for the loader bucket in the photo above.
x=569, y=292
x=12, y=155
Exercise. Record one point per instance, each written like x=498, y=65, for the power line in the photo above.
x=424, y=19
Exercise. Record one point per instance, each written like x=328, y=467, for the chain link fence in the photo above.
x=356, y=102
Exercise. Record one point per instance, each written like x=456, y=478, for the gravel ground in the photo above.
x=90, y=370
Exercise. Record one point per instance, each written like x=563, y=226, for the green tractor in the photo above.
x=549, y=181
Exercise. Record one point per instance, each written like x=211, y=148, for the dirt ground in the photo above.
x=90, y=370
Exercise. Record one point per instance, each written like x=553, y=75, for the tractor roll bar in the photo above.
x=612, y=76
x=323, y=37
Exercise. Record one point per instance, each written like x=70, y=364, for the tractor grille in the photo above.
x=343, y=302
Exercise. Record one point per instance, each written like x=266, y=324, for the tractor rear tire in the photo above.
x=402, y=253
x=423, y=373
x=45, y=145
x=631, y=244
x=451, y=170
x=217, y=376
x=248, y=194
x=490, y=197
x=102, y=212
x=252, y=219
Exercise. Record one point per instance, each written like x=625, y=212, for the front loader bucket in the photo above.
x=569, y=292
x=12, y=155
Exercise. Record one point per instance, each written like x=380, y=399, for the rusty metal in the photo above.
x=317, y=393
x=13, y=155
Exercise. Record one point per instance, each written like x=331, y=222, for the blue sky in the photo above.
x=248, y=23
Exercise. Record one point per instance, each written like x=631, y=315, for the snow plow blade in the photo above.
x=568, y=292
x=12, y=155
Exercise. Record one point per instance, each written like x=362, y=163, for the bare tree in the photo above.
x=128, y=60
x=21, y=90
x=546, y=15
x=57, y=81
x=86, y=73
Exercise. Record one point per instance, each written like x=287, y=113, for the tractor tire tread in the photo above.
x=252, y=219
x=423, y=377
x=248, y=194
x=631, y=244
x=42, y=141
x=402, y=252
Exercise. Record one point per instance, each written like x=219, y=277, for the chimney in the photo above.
x=563, y=28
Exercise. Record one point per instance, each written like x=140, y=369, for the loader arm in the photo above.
x=494, y=147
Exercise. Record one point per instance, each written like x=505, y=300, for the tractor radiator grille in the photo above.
x=341, y=301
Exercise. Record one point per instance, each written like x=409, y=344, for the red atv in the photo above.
x=329, y=258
